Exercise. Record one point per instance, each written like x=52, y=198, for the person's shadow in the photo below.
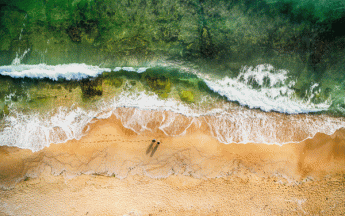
x=150, y=148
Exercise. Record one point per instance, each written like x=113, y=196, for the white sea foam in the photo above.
x=144, y=111
x=35, y=131
x=265, y=88
x=141, y=112
x=247, y=126
x=19, y=58
x=67, y=71
x=131, y=69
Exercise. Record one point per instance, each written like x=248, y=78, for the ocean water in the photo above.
x=65, y=64
x=42, y=104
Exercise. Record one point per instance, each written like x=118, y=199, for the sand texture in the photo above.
x=113, y=171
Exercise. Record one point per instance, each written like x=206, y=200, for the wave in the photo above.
x=260, y=87
x=35, y=131
x=64, y=71
x=40, y=71
x=266, y=88
x=142, y=112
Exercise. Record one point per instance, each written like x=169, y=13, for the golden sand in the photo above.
x=108, y=172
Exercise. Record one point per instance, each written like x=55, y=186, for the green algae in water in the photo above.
x=45, y=95
x=187, y=96
x=92, y=87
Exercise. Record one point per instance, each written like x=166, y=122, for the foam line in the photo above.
x=140, y=111
x=66, y=71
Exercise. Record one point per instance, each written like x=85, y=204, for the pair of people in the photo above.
x=151, y=147
x=153, y=141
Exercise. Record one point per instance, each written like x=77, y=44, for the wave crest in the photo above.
x=265, y=88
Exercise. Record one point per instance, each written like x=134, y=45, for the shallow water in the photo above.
x=45, y=104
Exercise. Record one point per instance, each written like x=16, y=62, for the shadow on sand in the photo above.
x=154, y=150
x=150, y=148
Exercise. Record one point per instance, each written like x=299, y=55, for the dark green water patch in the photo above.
x=92, y=87
x=107, y=30
x=158, y=82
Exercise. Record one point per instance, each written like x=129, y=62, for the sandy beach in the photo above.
x=146, y=107
x=111, y=172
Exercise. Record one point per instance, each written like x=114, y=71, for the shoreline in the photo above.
x=110, y=150
x=240, y=126
x=106, y=138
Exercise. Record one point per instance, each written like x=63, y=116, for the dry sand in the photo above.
x=108, y=172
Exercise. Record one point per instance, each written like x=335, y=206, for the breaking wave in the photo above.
x=265, y=88
x=136, y=112
x=260, y=87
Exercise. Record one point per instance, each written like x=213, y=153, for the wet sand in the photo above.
x=108, y=172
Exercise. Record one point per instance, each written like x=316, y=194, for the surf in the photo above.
x=54, y=104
